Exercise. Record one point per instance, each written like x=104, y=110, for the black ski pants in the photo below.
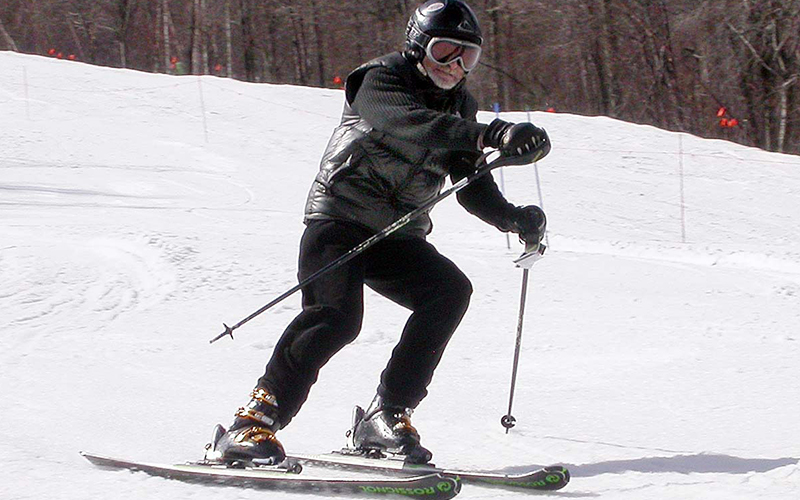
x=409, y=271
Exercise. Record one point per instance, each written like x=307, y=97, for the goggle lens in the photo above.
x=445, y=51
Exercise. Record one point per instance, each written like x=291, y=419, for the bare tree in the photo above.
x=769, y=37
x=197, y=31
x=122, y=13
x=6, y=38
x=496, y=48
x=299, y=43
x=650, y=28
x=316, y=23
x=248, y=39
x=600, y=12
x=228, y=39
x=166, y=47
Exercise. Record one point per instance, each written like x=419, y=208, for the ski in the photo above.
x=432, y=486
x=546, y=478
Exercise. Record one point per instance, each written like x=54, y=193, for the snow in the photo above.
x=138, y=212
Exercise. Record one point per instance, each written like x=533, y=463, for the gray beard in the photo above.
x=436, y=80
x=441, y=83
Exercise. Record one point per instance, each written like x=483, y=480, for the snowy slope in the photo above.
x=138, y=212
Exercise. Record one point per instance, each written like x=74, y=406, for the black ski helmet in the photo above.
x=445, y=18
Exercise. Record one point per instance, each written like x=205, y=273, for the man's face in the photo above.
x=445, y=76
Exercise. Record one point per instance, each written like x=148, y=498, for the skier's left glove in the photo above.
x=529, y=223
x=516, y=139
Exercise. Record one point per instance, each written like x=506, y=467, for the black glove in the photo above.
x=529, y=222
x=516, y=139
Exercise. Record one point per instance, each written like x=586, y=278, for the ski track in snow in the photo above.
x=653, y=368
x=89, y=282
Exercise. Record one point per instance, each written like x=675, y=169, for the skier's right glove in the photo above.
x=529, y=223
x=516, y=139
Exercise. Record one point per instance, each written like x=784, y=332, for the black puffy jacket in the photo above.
x=400, y=136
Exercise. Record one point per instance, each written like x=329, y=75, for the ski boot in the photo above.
x=386, y=428
x=252, y=434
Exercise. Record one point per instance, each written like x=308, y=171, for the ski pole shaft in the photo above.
x=508, y=420
x=482, y=168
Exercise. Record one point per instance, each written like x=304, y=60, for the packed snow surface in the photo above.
x=138, y=212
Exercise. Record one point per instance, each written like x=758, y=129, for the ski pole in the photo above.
x=482, y=169
x=508, y=421
x=532, y=253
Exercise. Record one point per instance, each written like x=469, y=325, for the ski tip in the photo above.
x=448, y=486
x=550, y=478
x=89, y=455
x=557, y=477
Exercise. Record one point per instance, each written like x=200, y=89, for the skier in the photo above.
x=408, y=122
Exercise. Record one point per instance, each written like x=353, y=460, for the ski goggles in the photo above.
x=444, y=51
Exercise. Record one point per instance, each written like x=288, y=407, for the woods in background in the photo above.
x=715, y=68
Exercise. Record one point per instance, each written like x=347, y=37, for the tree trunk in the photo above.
x=165, y=22
x=204, y=38
x=272, y=54
x=123, y=13
x=300, y=48
x=497, y=49
x=670, y=70
x=228, y=40
x=509, y=61
x=197, y=37
x=783, y=81
x=783, y=115
x=248, y=42
x=6, y=38
x=123, y=61
x=604, y=57
x=319, y=42
x=72, y=19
